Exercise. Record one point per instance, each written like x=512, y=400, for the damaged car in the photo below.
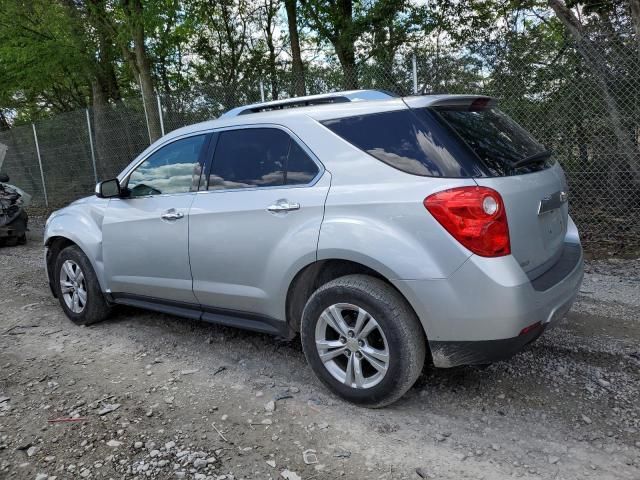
x=13, y=216
x=384, y=231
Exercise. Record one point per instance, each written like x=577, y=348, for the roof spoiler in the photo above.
x=452, y=102
x=323, y=99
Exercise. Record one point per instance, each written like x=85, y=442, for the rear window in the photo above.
x=445, y=142
x=497, y=140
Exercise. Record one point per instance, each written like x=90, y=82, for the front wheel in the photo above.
x=78, y=289
x=363, y=340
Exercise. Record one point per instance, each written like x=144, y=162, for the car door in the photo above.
x=256, y=222
x=145, y=234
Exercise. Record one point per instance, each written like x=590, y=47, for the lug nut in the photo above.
x=358, y=355
x=351, y=334
x=343, y=340
x=361, y=343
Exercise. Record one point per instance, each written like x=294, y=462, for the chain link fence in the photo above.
x=590, y=122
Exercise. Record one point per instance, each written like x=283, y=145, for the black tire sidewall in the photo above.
x=382, y=312
x=94, y=308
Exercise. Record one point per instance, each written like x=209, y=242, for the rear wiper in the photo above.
x=535, y=158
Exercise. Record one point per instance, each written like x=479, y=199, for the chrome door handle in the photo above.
x=283, y=205
x=171, y=214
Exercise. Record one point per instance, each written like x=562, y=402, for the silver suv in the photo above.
x=383, y=230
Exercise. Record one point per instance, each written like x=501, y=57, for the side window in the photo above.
x=300, y=168
x=253, y=157
x=172, y=169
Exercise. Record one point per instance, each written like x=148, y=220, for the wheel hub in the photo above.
x=352, y=344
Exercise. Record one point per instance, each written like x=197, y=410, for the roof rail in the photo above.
x=325, y=98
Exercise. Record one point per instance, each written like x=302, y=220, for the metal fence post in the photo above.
x=93, y=153
x=144, y=106
x=415, y=74
x=160, y=114
x=262, y=90
x=44, y=187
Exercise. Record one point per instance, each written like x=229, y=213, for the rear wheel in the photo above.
x=363, y=340
x=78, y=289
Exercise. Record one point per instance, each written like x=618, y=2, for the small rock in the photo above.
x=422, y=473
x=553, y=460
x=168, y=400
x=586, y=419
x=138, y=445
x=270, y=406
x=271, y=463
x=342, y=454
x=49, y=458
x=154, y=453
x=31, y=451
x=322, y=426
x=189, y=372
x=169, y=445
x=199, y=463
x=266, y=421
x=495, y=446
x=114, y=443
x=42, y=476
x=108, y=408
x=289, y=475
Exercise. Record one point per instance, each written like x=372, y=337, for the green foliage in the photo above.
x=43, y=66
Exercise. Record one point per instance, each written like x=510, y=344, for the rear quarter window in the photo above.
x=416, y=143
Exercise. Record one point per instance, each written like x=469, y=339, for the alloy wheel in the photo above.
x=352, y=346
x=73, y=287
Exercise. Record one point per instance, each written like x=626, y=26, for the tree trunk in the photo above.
x=142, y=65
x=296, y=63
x=595, y=62
x=271, y=11
x=347, y=59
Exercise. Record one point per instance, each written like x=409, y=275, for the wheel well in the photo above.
x=54, y=246
x=312, y=277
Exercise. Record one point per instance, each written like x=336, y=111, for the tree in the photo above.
x=140, y=62
x=597, y=64
x=333, y=21
x=43, y=66
x=269, y=10
x=297, y=66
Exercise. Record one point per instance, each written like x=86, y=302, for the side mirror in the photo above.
x=108, y=189
x=4, y=178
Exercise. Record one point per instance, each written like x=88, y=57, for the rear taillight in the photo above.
x=475, y=216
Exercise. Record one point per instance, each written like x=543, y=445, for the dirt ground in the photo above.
x=155, y=396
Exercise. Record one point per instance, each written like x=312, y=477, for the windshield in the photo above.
x=497, y=140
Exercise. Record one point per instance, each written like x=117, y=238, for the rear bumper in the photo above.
x=477, y=315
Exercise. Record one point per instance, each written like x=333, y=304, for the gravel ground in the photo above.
x=154, y=396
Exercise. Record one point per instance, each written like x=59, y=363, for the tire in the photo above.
x=396, y=332
x=94, y=308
